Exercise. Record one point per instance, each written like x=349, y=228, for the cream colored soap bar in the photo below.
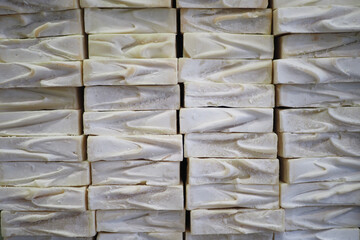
x=328, y=234
x=298, y=3
x=42, y=149
x=159, y=45
x=225, y=71
x=33, y=6
x=66, y=224
x=130, y=122
x=216, y=196
x=48, y=238
x=137, y=221
x=257, y=21
x=149, y=147
x=226, y=45
x=222, y=3
x=229, y=95
x=135, y=173
x=231, y=145
x=44, y=174
x=252, y=236
x=236, y=221
x=125, y=3
x=130, y=72
x=226, y=120
x=140, y=236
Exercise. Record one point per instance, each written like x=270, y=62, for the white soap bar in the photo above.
x=222, y=3
x=130, y=122
x=216, y=196
x=316, y=70
x=251, y=236
x=229, y=95
x=328, y=234
x=130, y=72
x=42, y=149
x=136, y=197
x=156, y=45
x=136, y=221
x=135, y=173
x=226, y=45
x=33, y=6
x=292, y=145
x=256, y=21
x=231, y=145
x=222, y=171
x=318, y=95
x=42, y=49
x=44, y=174
x=66, y=224
x=225, y=71
x=149, y=147
x=48, y=238
x=115, y=98
x=298, y=3
x=321, y=45
x=236, y=221
x=141, y=236
x=226, y=120
x=125, y=3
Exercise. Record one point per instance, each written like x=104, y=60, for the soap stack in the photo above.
x=318, y=91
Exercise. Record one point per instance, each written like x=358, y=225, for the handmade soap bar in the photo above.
x=141, y=236
x=226, y=45
x=222, y=3
x=328, y=234
x=226, y=120
x=135, y=173
x=298, y=3
x=32, y=6
x=125, y=3
x=150, y=147
x=251, y=236
x=130, y=72
x=48, y=238
x=67, y=224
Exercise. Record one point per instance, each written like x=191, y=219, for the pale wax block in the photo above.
x=48, y=238
x=115, y=98
x=216, y=196
x=43, y=199
x=130, y=122
x=66, y=224
x=140, y=236
x=227, y=46
x=42, y=49
x=130, y=72
x=225, y=71
x=318, y=95
x=251, y=236
x=136, y=197
x=125, y=3
x=231, y=145
x=156, y=45
x=226, y=120
x=42, y=149
x=256, y=21
x=33, y=6
x=299, y=3
x=122, y=148
x=229, y=95
x=236, y=221
x=135, y=173
x=222, y=3
x=44, y=174
x=328, y=234
x=37, y=123
x=242, y=171
x=136, y=221
x=292, y=145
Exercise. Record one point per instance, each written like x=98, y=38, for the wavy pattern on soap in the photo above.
x=126, y=3
x=14, y=7
x=300, y=3
x=222, y=3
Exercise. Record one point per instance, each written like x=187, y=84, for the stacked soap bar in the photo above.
x=318, y=81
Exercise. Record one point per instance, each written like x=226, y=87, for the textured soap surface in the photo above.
x=251, y=236
x=140, y=236
x=222, y=3
x=125, y=3
x=299, y=3
x=328, y=234
x=33, y=6
x=48, y=238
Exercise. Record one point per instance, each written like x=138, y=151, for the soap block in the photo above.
x=125, y=3
x=33, y=6
x=329, y=234
x=222, y=4
x=48, y=238
x=299, y=3
x=142, y=236
x=252, y=236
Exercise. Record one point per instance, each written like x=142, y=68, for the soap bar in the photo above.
x=225, y=71
x=251, y=236
x=316, y=70
x=135, y=173
x=222, y=4
x=328, y=234
x=242, y=171
x=130, y=122
x=159, y=45
x=66, y=224
x=226, y=120
x=236, y=221
x=292, y=145
x=298, y=3
x=32, y=6
x=42, y=49
x=232, y=196
x=130, y=72
x=43, y=199
x=48, y=238
x=229, y=95
x=256, y=21
x=137, y=221
x=115, y=98
x=125, y=3
x=141, y=236
x=150, y=147
x=42, y=149
x=231, y=145
x=226, y=45
x=334, y=169
x=44, y=174
x=136, y=197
